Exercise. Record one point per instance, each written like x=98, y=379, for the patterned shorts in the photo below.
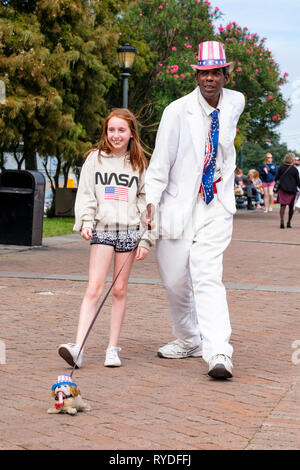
x=122, y=240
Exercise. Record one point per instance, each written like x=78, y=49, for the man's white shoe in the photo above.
x=112, y=358
x=220, y=367
x=69, y=352
x=176, y=350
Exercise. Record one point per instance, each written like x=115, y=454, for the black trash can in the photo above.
x=65, y=202
x=22, y=194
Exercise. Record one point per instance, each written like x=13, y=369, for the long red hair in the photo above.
x=137, y=158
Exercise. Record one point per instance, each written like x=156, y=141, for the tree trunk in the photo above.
x=2, y=160
x=29, y=155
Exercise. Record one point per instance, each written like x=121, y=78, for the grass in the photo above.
x=56, y=226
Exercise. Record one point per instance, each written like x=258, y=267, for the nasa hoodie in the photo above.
x=110, y=195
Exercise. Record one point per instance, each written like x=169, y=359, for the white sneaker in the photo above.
x=112, y=359
x=220, y=367
x=176, y=350
x=69, y=352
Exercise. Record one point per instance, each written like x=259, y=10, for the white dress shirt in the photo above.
x=206, y=111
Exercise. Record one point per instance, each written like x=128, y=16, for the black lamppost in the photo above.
x=126, y=59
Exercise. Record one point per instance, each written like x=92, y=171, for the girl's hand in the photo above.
x=86, y=233
x=141, y=253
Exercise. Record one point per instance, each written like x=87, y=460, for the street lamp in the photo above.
x=126, y=59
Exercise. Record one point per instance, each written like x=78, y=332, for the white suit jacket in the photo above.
x=174, y=175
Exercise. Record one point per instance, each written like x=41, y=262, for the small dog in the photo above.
x=67, y=397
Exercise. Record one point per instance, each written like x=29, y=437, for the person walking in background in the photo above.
x=190, y=186
x=289, y=179
x=268, y=172
x=297, y=165
x=109, y=202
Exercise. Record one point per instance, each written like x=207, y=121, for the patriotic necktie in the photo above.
x=211, y=148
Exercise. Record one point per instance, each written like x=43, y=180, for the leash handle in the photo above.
x=106, y=295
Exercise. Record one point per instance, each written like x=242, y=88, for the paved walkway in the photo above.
x=153, y=403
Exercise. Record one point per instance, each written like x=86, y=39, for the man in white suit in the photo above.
x=190, y=189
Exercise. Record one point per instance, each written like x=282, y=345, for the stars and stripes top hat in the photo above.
x=63, y=380
x=212, y=56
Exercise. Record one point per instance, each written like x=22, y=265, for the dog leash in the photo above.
x=107, y=294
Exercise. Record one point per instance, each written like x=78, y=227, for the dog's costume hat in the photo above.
x=63, y=380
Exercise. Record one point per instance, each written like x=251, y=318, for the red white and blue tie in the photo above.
x=211, y=148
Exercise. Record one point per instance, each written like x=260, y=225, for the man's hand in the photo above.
x=148, y=216
x=86, y=233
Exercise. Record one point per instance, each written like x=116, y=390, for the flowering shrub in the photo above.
x=257, y=75
x=167, y=35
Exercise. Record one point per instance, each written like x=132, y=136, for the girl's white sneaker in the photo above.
x=69, y=352
x=112, y=358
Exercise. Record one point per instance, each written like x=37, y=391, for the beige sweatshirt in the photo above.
x=110, y=195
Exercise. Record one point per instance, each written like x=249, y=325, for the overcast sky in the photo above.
x=278, y=21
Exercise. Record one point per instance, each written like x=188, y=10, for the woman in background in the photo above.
x=289, y=180
x=268, y=172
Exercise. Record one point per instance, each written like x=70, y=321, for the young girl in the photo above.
x=109, y=203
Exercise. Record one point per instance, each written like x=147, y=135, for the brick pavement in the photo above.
x=152, y=403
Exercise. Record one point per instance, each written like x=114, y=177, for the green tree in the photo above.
x=258, y=76
x=71, y=29
x=166, y=35
x=55, y=59
x=253, y=153
x=31, y=103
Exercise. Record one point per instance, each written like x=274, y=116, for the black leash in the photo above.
x=107, y=294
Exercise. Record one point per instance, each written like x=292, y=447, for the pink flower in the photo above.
x=270, y=97
x=239, y=69
x=237, y=129
x=286, y=74
x=239, y=63
x=248, y=52
x=221, y=29
x=176, y=76
x=158, y=74
x=217, y=8
x=174, y=48
x=274, y=118
x=174, y=68
x=160, y=7
x=256, y=70
x=167, y=71
x=182, y=75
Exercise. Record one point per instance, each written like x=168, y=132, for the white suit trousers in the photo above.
x=191, y=271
